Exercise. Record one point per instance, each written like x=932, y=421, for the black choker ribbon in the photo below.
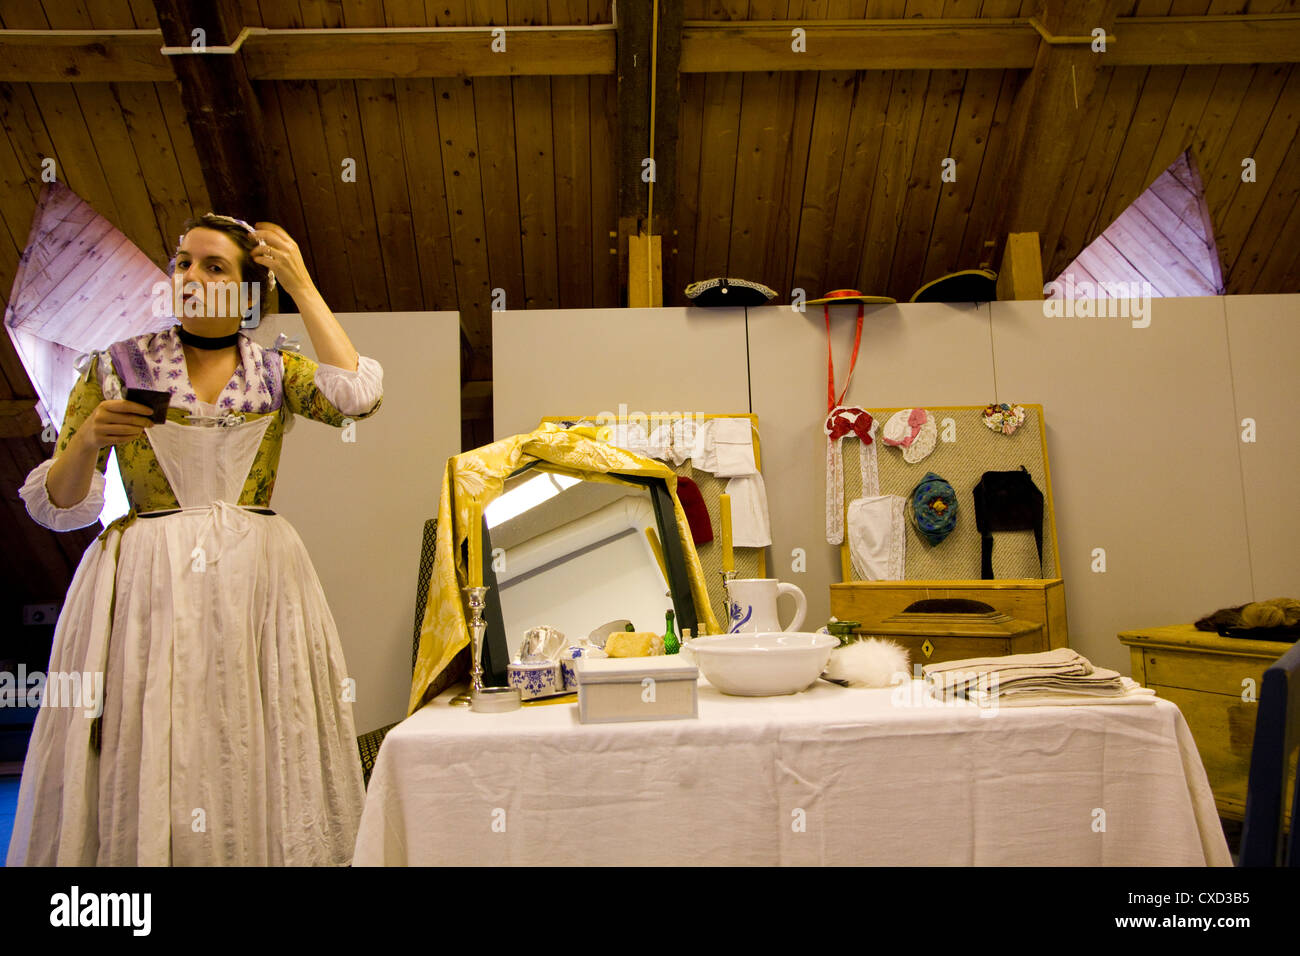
x=206, y=341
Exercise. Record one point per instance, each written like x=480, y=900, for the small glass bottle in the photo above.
x=671, y=644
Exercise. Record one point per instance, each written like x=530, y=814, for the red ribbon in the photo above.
x=831, y=403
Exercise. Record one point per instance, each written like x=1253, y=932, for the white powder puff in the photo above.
x=870, y=662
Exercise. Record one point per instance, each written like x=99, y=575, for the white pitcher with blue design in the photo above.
x=751, y=605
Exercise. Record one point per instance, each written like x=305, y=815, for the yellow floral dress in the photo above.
x=212, y=724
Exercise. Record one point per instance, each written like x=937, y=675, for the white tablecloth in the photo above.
x=828, y=776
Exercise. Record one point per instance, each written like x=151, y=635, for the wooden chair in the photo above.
x=1277, y=739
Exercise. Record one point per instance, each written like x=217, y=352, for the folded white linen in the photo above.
x=1132, y=693
x=1045, y=670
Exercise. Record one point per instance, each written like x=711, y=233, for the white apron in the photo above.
x=227, y=734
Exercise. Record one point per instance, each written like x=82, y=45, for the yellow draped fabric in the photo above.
x=480, y=474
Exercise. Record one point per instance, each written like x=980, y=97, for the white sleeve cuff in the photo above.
x=352, y=393
x=45, y=512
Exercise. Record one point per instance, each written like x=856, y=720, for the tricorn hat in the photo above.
x=728, y=293
x=969, y=285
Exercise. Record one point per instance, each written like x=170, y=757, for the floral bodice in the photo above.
x=267, y=383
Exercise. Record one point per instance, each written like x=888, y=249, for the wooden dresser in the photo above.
x=1039, y=601
x=1215, y=681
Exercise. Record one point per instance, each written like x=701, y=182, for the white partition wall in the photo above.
x=1264, y=340
x=360, y=506
x=586, y=361
x=1145, y=469
x=1144, y=426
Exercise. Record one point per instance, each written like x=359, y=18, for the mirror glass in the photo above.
x=575, y=555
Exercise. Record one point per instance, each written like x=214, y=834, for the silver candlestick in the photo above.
x=479, y=698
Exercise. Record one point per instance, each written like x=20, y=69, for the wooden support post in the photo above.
x=1021, y=275
x=220, y=107
x=645, y=273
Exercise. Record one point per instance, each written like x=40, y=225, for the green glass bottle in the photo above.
x=671, y=644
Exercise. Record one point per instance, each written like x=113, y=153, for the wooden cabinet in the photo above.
x=1040, y=601
x=1215, y=681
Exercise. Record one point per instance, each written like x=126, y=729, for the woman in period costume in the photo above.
x=224, y=734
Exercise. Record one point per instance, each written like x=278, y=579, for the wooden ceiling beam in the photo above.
x=1047, y=116
x=220, y=107
x=706, y=46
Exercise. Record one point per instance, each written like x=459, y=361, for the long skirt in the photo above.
x=227, y=735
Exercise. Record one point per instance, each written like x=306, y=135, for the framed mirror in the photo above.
x=550, y=546
x=575, y=554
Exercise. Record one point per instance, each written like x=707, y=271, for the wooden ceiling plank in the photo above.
x=719, y=145
x=109, y=15
x=979, y=240
x=286, y=198
x=146, y=124
x=934, y=146
x=117, y=155
x=603, y=100
x=421, y=141
x=499, y=168
x=1185, y=113
x=388, y=177
x=689, y=147
x=466, y=206
x=902, y=129
x=1103, y=152
x=314, y=170
x=345, y=141
x=76, y=158
x=1224, y=104
x=863, y=148
x=1073, y=172
x=829, y=134
x=970, y=141
x=767, y=122
x=1275, y=141
x=183, y=148
x=1128, y=178
x=23, y=15
x=571, y=97
x=1222, y=172
x=1273, y=223
x=1221, y=178
x=797, y=92
x=535, y=157
x=1279, y=266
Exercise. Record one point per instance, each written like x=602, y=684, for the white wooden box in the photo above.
x=636, y=688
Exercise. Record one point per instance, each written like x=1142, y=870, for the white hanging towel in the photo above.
x=750, y=525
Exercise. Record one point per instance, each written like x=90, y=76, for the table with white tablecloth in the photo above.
x=829, y=776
